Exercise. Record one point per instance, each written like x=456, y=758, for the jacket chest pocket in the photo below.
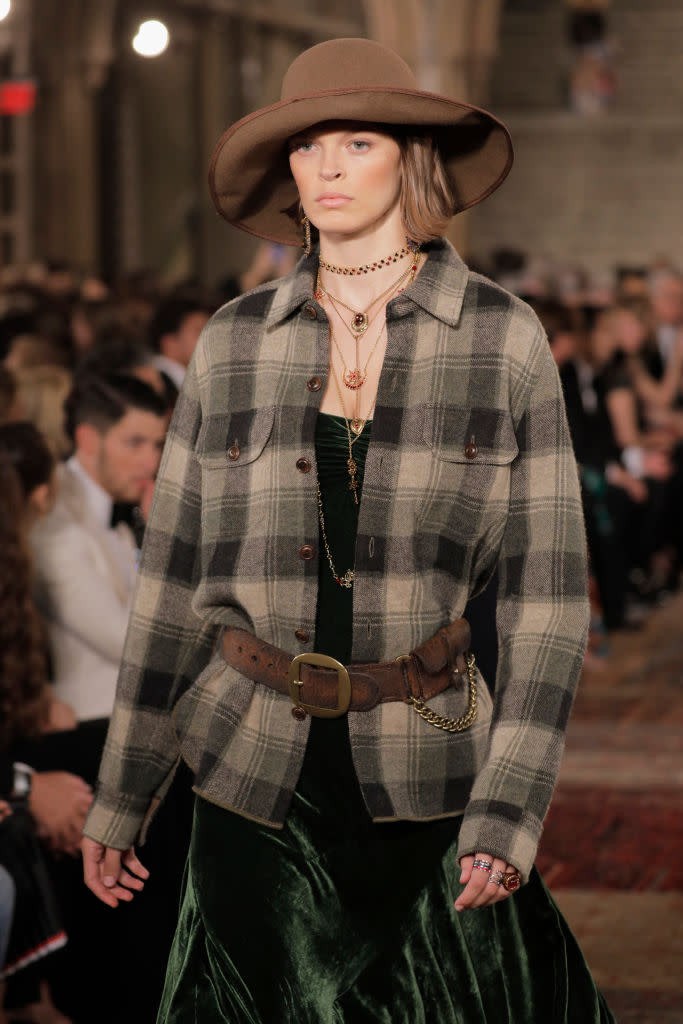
x=235, y=455
x=469, y=454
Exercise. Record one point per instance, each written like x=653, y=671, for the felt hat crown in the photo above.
x=354, y=80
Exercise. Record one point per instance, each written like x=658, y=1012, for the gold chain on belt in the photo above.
x=451, y=724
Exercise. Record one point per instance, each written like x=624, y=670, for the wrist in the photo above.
x=22, y=785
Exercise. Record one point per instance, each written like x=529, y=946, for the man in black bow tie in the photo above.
x=85, y=568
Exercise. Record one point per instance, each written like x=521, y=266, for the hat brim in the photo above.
x=249, y=177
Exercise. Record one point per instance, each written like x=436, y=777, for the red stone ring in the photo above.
x=511, y=881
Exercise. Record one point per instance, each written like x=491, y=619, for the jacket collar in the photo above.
x=439, y=288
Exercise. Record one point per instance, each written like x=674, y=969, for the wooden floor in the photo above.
x=612, y=849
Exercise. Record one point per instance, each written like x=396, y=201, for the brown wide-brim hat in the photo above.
x=350, y=80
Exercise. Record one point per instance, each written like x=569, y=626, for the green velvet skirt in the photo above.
x=336, y=918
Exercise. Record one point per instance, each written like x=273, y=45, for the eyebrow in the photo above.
x=361, y=128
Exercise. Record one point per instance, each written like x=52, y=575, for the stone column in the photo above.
x=74, y=50
x=450, y=44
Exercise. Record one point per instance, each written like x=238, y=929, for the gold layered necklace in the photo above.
x=354, y=378
x=354, y=428
x=361, y=319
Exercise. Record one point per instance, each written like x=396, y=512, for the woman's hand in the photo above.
x=111, y=874
x=61, y=717
x=481, y=889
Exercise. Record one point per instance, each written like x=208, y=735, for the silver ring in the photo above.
x=496, y=878
x=482, y=865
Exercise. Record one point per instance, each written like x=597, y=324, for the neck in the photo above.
x=362, y=288
x=374, y=243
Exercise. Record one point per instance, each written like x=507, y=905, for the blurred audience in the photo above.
x=42, y=391
x=34, y=805
x=621, y=365
x=174, y=332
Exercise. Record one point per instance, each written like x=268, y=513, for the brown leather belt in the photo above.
x=325, y=688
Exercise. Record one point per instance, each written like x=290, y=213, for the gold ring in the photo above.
x=511, y=881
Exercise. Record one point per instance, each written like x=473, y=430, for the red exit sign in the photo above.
x=17, y=96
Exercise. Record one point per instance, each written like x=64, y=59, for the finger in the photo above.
x=503, y=893
x=80, y=785
x=110, y=867
x=470, y=895
x=134, y=865
x=93, y=856
x=130, y=881
x=466, y=868
x=494, y=891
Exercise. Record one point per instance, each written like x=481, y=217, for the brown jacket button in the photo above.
x=306, y=551
x=310, y=312
x=302, y=636
x=314, y=384
x=471, y=450
x=233, y=453
x=303, y=465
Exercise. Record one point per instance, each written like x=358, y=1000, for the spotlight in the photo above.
x=151, y=40
x=5, y=8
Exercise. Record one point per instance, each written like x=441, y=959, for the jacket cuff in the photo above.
x=489, y=830
x=115, y=821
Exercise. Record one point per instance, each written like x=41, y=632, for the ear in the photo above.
x=88, y=439
x=42, y=498
x=168, y=345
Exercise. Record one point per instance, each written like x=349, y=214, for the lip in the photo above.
x=332, y=199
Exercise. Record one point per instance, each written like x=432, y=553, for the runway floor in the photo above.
x=612, y=848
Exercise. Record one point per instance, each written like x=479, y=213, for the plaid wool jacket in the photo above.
x=233, y=540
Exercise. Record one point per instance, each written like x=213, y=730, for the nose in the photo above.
x=330, y=165
x=149, y=462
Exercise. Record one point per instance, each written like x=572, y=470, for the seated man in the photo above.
x=174, y=332
x=84, y=568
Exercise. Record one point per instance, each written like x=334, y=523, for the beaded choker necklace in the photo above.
x=369, y=268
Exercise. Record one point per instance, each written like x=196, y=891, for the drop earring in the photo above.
x=306, y=224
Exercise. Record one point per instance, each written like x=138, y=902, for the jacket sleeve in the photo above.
x=167, y=643
x=542, y=621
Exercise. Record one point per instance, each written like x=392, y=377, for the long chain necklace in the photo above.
x=354, y=429
x=347, y=579
x=361, y=320
x=410, y=246
x=355, y=378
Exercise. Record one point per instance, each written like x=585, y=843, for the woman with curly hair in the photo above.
x=27, y=710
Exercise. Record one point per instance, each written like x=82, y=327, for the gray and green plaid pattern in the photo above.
x=465, y=362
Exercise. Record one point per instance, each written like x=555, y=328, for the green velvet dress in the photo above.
x=338, y=919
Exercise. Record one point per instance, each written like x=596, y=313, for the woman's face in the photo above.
x=631, y=332
x=348, y=177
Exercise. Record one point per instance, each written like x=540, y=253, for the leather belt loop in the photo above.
x=403, y=661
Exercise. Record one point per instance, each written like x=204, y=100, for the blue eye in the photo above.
x=360, y=145
x=302, y=147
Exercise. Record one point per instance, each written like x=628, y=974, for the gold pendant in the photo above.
x=359, y=323
x=357, y=426
x=354, y=379
x=347, y=579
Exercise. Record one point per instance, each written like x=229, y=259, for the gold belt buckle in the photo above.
x=343, y=685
